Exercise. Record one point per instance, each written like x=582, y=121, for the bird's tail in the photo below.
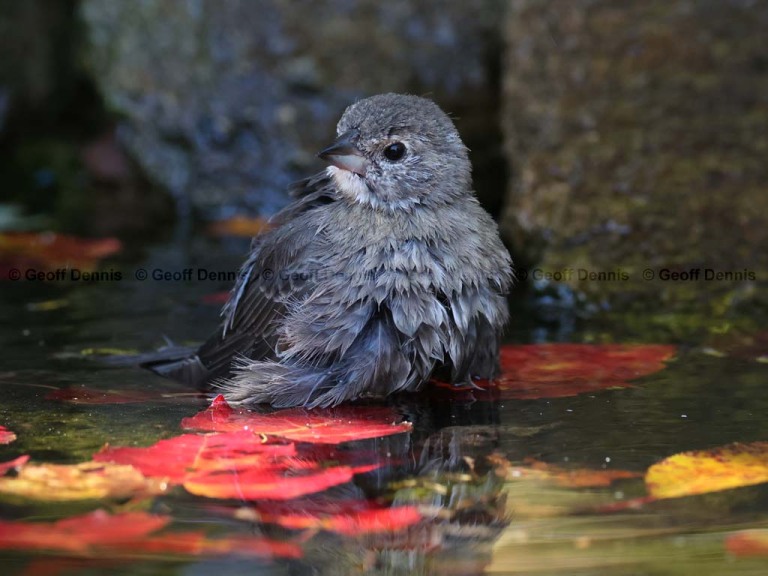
x=268, y=382
x=375, y=366
x=281, y=385
x=183, y=366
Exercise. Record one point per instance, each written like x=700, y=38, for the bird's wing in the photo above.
x=267, y=281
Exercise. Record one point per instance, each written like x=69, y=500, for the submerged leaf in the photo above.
x=49, y=251
x=321, y=426
x=703, y=471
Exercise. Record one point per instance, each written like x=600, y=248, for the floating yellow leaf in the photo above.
x=702, y=471
x=89, y=480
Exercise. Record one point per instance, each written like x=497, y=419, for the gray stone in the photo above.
x=226, y=101
x=638, y=136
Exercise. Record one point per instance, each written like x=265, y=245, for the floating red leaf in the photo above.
x=555, y=370
x=79, y=533
x=350, y=518
x=321, y=426
x=534, y=371
x=169, y=459
x=99, y=533
x=748, y=543
x=273, y=484
x=15, y=463
x=233, y=465
x=6, y=436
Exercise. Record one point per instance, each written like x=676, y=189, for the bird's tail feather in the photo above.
x=187, y=369
x=180, y=363
x=268, y=382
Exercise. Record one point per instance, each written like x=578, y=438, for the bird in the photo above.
x=382, y=272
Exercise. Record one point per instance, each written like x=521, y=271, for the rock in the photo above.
x=638, y=137
x=225, y=102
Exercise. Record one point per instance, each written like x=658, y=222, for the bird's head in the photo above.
x=396, y=151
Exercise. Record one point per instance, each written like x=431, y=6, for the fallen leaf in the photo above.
x=257, y=484
x=233, y=465
x=6, y=436
x=173, y=459
x=130, y=533
x=239, y=226
x=49, y=251
x=321, y=426
x=558, y=475
x=169, y=459
x=349, y=518
x=748, y=543
x=558, y=370
x=16, y=463
x=703, y=471
x=533, y=371
x=79, y=533
x=86, y=481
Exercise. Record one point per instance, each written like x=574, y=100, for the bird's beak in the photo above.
x=345, y=154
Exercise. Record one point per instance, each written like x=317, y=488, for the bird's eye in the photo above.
x=394, y=151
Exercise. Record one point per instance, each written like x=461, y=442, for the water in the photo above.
x=475, y=519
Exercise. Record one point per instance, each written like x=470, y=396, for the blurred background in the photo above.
x=607, y=138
